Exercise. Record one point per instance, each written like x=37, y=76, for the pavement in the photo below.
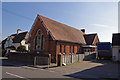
x=95, y=69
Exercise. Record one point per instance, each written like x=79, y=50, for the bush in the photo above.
x=21, y=49
x=3, y=52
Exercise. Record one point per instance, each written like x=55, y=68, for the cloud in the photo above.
x=101, y=25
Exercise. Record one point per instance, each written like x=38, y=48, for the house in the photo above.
x=51, y=37
x=91, y=41
x=13, y=41
x=104, y=50
x=0, y=48
x=116, y=47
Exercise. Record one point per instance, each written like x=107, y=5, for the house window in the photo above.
x=64, y=48
x=60, y=48
x=70, y=49
x=42, y=42
x=84, y=50
x=73, y=49
x=77, y=48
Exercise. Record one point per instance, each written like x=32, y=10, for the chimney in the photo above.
x=19, y=31
x=83, y=30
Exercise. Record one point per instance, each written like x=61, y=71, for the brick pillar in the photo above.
x=49, y=59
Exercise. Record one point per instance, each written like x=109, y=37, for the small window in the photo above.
x=73, y=49
x=64, y=48
x=77, y=48
x=60, y=48
x=84, y=50
x=70, y=49
x=39, y=32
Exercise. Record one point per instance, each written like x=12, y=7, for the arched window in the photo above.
x=39, y=32
x=39, y=41
x=42, y=42
x=35, y=42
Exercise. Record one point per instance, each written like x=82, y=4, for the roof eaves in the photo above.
x=53, y=37
x=94, y=39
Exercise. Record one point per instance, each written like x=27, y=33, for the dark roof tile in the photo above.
x=89, y=38
x=19, y=37
x=116, y=39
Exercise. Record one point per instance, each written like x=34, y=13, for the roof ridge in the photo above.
x=60, y=23
x=91, y=34
x=62, y=31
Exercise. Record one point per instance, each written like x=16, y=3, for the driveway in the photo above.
x=90, y=69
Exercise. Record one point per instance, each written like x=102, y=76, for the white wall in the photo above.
x=24, y=44
x=8, y=42
x=16, y=45
x=115, y=53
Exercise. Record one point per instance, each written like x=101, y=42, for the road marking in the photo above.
x=14, y=75
x=52, y=71
x=29, y=67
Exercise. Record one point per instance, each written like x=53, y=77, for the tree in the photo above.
x=21, y=49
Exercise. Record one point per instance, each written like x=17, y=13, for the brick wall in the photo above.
x=67, y=46
x=29, y=58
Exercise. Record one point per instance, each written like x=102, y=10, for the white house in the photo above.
x=116, y=47
x=16, y=40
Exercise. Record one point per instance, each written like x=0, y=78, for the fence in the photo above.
x=30, y=58
x=67, y=59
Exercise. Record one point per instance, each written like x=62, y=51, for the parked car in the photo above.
x=6, y=54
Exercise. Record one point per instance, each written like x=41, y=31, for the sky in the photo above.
x=94, y=17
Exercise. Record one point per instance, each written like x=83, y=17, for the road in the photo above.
x=83, y=70
x=18, y=71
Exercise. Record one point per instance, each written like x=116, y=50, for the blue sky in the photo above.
x=94, y=17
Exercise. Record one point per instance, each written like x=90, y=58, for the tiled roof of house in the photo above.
x=19, y=37
x=116, y=39
x=89, y=38
x=13, y=34
x=3, y=41
x=63, y=32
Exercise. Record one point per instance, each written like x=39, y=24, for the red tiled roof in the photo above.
x=63, y=32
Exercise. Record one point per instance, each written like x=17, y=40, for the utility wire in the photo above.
x=16, y=14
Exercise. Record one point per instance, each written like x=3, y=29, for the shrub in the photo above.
x=3, y=52
x=21, y=49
